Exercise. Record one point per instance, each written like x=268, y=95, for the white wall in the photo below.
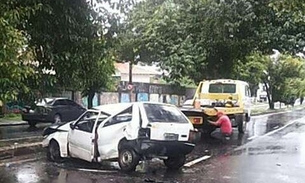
x=141, y=78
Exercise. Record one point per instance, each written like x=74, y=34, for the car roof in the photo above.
x=56, y=98
x=117, y=107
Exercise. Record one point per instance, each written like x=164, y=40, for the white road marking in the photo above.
x=98, y=171
x=189, y=164
x=253, y=137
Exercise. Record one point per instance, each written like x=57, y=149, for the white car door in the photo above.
x=81, y=136
x=111, y=131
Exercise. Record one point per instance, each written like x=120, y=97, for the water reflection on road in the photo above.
x=260, y=125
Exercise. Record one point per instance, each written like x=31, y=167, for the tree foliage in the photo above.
x=68, y=39
x=198, y=39
x=15, y=55
x=280, y=77
x=210, y=39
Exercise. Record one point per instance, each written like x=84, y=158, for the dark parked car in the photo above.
x=53, y=110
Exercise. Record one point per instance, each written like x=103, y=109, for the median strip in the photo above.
x=18, y=146
x=22, y=139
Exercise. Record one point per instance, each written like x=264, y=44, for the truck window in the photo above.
x=222, y=88
x=247, y=91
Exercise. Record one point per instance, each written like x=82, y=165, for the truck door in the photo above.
x=247, y=100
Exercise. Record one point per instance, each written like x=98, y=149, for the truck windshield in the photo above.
x=222, y=88
x=164, y=113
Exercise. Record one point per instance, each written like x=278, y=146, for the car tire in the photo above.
x=239, y=118
x=32, y=123
x=57, y=118
x=53, y=153
x=128, y=159
x=175, y=162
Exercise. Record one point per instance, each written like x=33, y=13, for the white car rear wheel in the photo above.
x=128, y=159
x=175, y=162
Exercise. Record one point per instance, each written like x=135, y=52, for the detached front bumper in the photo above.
x=165, y=148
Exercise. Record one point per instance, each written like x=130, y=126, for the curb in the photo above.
x=13, y=124
x=274, y=111
x=9, y=152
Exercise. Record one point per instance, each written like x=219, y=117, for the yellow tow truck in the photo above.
x=232, y=97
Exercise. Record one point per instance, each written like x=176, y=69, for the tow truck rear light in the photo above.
x=197, y=120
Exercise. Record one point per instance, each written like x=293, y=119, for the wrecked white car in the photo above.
x=124, y=132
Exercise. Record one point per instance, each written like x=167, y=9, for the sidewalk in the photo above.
x=263, y=108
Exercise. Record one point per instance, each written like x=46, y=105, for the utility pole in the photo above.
x=130, y=72
x=130, y=85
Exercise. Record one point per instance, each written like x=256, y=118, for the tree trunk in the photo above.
x=270, y=100
x=90, y=99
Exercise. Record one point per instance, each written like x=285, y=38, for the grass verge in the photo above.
x=11, y=117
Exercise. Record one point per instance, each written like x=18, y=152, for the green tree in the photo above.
x=278, y=76
x=71, y=38
x=16, y=57
x=194, y=39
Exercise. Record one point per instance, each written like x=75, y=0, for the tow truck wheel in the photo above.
x=240, y=123
x=175, y=162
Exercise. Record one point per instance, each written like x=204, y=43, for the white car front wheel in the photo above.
x=53, y=153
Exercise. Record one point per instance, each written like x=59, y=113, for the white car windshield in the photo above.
x=164, y=113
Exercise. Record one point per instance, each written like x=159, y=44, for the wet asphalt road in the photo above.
x=268, y=152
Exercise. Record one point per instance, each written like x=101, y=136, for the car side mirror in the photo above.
x=72, y=126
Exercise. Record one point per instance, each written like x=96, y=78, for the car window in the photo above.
x=164, y=113
x=72, y=103
x=60, y=102
x=86, y=122
x=124, y=116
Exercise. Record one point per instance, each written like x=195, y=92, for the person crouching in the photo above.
x=224, y=131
